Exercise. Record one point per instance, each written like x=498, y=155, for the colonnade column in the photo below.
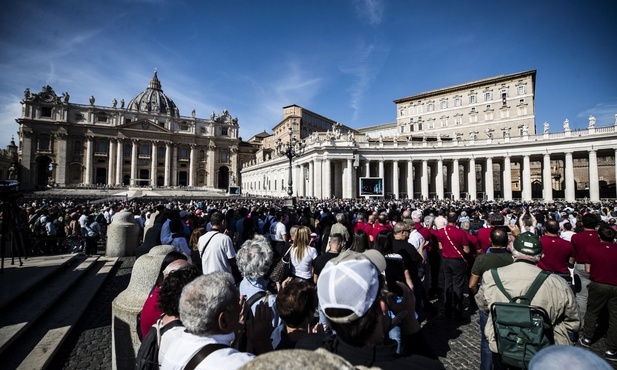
x=507, y=178
x=594, y=184
x=167, y=164
x=456, y=181
x=471, y=180
x=547, y=183
x=153, y=163
x=526, y=193
x=133, y=162
x=348, y=183
x=368, y=168
x=395, y=176
x=318, y=171
x=88, y=177
x=410, y=178
x=326, y=191
x=424, y=179
x=119, y=161
x=192, y=169
x=174, y=165
x=381, y=168
x=311, y=169
x=489, y=185
x=569, y=169
x=111, y=163
x=439, y=180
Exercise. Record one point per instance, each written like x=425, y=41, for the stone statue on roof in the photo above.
x=121, y=103
x=546, y=125
x=114, y=102
x=566, y=125
x=592, y=121
x=92, y=100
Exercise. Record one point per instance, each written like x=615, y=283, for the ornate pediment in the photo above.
x=145, y=125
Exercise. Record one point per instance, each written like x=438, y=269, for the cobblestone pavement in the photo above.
x=456, y=343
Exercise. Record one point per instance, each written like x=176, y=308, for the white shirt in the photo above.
x=184, y=347
x=280, y=231
x=166, y=339
x=302, y=268
x=218, y=253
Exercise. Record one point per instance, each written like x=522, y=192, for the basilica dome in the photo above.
x=153, y=100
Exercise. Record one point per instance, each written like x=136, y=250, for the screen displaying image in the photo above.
x=233, y=190
x=371, y=186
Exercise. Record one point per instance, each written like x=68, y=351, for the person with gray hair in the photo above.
x=340, y=228
x=211, y=310
x=254, y=261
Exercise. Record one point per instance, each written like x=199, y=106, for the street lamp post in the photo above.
x=292, y=148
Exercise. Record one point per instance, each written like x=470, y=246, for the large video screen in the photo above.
x=234, y=190
x=371, y=187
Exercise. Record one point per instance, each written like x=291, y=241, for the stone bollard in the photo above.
x=122, y=235
x=124, y=340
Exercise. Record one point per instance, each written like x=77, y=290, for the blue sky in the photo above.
x=346, y=59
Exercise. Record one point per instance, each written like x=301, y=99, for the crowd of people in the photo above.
x=364, y=274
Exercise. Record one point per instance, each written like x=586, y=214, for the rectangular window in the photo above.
x=420, y=109
x=402, y=112
x=473, y=118
x=45, y=112
x=444, y=104
x=520, y=90
x=457, y=102
x=444, y=122
x=128, y=150
x=224, y=131
x=458, y=120
x=488, y=96
x=505, y=113
x=431, y=107
x=224, y=156
x=488, y=116
x=101, y=118
x=473, y=99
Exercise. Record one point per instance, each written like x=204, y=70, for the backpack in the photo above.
x=243, y=344
x=521, y=330
x=266, y=226
x=148, y=354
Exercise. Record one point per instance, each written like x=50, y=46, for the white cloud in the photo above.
x=604, y=112
x=370, y=11
x=364, y=68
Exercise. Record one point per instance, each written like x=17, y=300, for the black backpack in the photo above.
x=148, y=354
x=521, y=330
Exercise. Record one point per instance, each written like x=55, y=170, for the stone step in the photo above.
x=46, y=318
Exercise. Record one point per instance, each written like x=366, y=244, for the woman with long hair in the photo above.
x=194, y=239
x=359, y=242
x=302, y=255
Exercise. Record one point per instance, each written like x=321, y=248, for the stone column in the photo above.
x=167, y=181
x=507, y=178
x=327, y=180
x=410, y=176
x=88, y=177
x=456, y=181
x=368, y=168
x=311, y=168
x=570, y=190
x=174, y=165
x=594, y=184
x=119, y=161
x=111, y=162
x=210, y=164
x=488, y=180
x=61, y=164
x=193, y=163
x=439, y=180
x=395, y=177
x=349, y=179
x=133, y=162
x=381, y=168
x=547, y=183
x=424, y=180
x=471, y=179
x=526, y=193
x=318, y=180
x=154, y=161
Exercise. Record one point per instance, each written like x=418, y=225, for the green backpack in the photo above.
x=521, y=330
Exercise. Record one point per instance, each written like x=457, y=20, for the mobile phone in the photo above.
x=395, y=271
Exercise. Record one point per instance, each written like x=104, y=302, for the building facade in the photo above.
x=492, y=153
x=143, y=143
